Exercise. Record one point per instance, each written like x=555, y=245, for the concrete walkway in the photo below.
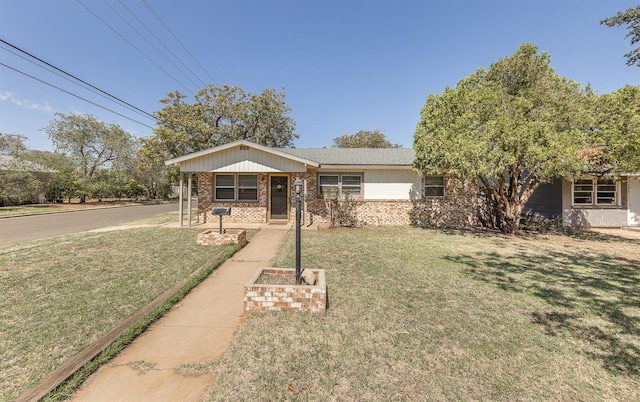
x=198, y=330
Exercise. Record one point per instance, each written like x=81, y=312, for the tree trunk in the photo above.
x=511, y=219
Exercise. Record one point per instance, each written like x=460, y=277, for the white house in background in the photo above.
x=590, y=201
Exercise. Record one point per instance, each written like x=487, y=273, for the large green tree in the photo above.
x=630, y=18
x=364, y=139
x=616, y=138
x=91, y=144
x=510, y=128
x=217, y=116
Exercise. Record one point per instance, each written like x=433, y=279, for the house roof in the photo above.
x=355, y=156
x=320, y=157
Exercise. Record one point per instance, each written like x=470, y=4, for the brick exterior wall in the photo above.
x=457, y=209
x=241, y=212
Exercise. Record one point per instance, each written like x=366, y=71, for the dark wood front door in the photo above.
x=279, y=198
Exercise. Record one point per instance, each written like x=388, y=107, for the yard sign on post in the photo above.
x=221, y=211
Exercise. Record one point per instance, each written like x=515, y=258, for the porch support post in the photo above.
x=189, y=197
x=181, y=198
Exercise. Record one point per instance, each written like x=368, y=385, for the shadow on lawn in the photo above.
x=591, y=295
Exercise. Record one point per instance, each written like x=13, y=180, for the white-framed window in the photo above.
x=330, y=184
x=225, y=188
x=600, y=192
x=434, y=187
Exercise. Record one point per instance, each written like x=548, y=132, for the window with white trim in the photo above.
x=331, y=184
x=599, y=192
x=433, y=187
x=225, y=188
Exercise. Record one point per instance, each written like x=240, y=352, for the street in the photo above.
x=24, y=228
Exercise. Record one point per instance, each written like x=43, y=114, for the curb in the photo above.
x=80, y=210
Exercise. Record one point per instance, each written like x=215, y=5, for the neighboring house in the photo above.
x=257, y=183
x=589, y=202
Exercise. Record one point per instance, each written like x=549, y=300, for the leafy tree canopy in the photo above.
x=630, y=18
x=616, y=138
x=217, y=116
x=12, y=144
x=91, y=144
x=364, y=139
x=510, y=127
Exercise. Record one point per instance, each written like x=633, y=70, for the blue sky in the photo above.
x=345, y=65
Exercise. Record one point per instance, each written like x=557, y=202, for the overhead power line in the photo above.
x=74, y=95
x=162, y=43
x=178, y=40
x=150, y=44
x=94, y=89
x=135, y=47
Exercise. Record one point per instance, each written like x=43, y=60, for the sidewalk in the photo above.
x=198, y=330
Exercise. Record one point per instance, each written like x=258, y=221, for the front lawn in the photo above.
x=420, y=314
x=59, y=295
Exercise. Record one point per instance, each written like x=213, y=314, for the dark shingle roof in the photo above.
x=355, y=156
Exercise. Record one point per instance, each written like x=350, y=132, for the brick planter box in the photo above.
x=213, y=237
x=271, y=297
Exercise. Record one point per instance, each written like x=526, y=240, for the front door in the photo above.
x=279, y=198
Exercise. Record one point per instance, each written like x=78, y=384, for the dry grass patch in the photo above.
x=444, y=315
x=59, y=295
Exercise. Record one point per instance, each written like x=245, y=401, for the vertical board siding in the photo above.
x=238, y=160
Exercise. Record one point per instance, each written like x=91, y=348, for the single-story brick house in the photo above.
x=257, y=183
x=590, y=201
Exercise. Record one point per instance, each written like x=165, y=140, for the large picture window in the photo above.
x=434, y=187
x=236, y=187
x=331, y=184
x=595, y=192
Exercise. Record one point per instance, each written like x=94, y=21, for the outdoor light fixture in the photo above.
x=298, y=185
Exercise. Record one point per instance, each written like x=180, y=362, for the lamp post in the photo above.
x=298, y=186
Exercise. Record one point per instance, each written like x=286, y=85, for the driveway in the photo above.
x=24, y=228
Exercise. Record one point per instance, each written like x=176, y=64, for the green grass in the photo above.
x=442, y=315
x=59, y=295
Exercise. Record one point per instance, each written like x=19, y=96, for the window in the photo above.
x=247, y=187
x=336, y=184
x=352, y=184
x=595, y=192
x=434, y=187
x=226, y=189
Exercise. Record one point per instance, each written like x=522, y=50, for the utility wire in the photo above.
x=150, y=44
x=91, y=88
x=162, y=43
x=178, y=40
x=133, y=46
x=74, y=95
